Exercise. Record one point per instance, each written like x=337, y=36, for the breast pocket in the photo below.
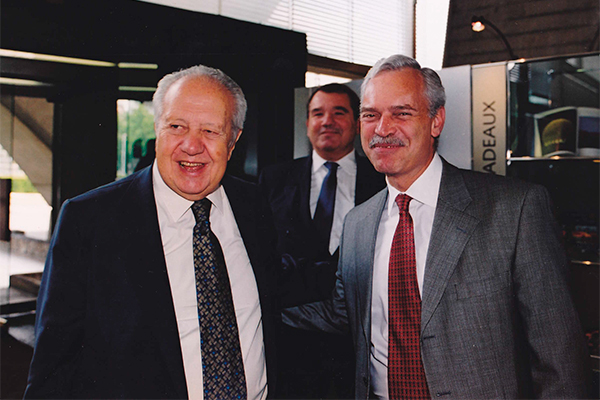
x=483, y=287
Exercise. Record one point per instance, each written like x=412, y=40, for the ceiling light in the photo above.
x=58, y=59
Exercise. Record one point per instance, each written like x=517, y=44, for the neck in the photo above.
x=403, y=182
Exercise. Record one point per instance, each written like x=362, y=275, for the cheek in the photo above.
x=161, y=151
x=219, y=152
x=364, y=141
x=166, y=145
x=365, y=135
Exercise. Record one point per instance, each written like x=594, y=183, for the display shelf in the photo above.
x=552, y=158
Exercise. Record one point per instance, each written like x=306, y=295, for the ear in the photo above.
x=239, y=133
x=437, y=123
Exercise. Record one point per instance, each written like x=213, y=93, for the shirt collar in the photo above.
x=175, y=205
x=425, y=189
x=345, y=163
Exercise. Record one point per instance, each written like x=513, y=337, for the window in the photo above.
x=135, y=145
x=349, y=30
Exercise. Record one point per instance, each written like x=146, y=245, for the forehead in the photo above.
x=323, y=99
x=199, y=92
x=404, y=85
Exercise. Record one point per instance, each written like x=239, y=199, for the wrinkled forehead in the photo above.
x=405, y=85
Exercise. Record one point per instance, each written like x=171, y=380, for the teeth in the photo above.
x=190, y=164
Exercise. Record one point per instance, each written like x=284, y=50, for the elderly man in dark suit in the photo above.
x=309, y=198
x=157, y=285
x=452, y=282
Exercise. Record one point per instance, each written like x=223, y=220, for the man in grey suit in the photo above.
x=485, y=290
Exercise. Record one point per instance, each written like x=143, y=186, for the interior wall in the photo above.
x=268, y=63
x=26, y=149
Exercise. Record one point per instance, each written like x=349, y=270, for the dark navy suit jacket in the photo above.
x=105, y=325
x=306, y=256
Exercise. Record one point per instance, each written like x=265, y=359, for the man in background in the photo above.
x=309, y=198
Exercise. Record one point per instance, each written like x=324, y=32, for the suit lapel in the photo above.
x=366, y=238
x=452, y=228
x=303, y=178
x=148, y=277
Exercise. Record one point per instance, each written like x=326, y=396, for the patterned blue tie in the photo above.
x=222, y=365
x=323, y=218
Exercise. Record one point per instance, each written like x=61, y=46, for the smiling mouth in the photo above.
x=387, y=146
x=186, y=164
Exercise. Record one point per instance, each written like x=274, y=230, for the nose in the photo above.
x=193, y=143
x=384, y=126
x=328, y=120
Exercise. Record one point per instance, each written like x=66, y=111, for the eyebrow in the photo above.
x=403, y=107
x=337, y=108
x=392, y=108
x=365, y=109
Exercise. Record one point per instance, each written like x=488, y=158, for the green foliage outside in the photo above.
x=135, y=128
x=22, y=185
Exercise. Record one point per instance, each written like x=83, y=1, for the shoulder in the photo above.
x=242, y=195
x=478, y=181
x=234, y=184
x=112, y=194
x=491, y=188
x=108, y=205
x=282, y=171
x=369, y=208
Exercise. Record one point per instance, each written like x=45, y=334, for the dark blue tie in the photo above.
x=222, y=366
x=323, y=218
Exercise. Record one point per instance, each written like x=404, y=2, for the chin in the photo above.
x=194, y=192
x=382, y=167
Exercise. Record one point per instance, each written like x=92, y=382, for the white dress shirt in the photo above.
x=176, y=222
x=344, y=195
x=424, y=192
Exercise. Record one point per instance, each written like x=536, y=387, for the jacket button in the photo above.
x=365, y=380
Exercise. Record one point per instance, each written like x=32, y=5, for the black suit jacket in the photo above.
x=105, y=325
x=306, y=258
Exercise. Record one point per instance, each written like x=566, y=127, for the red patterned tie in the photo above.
x=406, y=376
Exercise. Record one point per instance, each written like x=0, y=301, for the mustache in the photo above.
x=334, y=130
x=386, y=141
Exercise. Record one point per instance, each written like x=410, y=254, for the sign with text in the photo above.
x=489, y=118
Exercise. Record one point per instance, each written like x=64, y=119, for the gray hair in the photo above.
x=198, y=71
x=434, y=90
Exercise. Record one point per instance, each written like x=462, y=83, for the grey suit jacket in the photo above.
x=497, y=318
